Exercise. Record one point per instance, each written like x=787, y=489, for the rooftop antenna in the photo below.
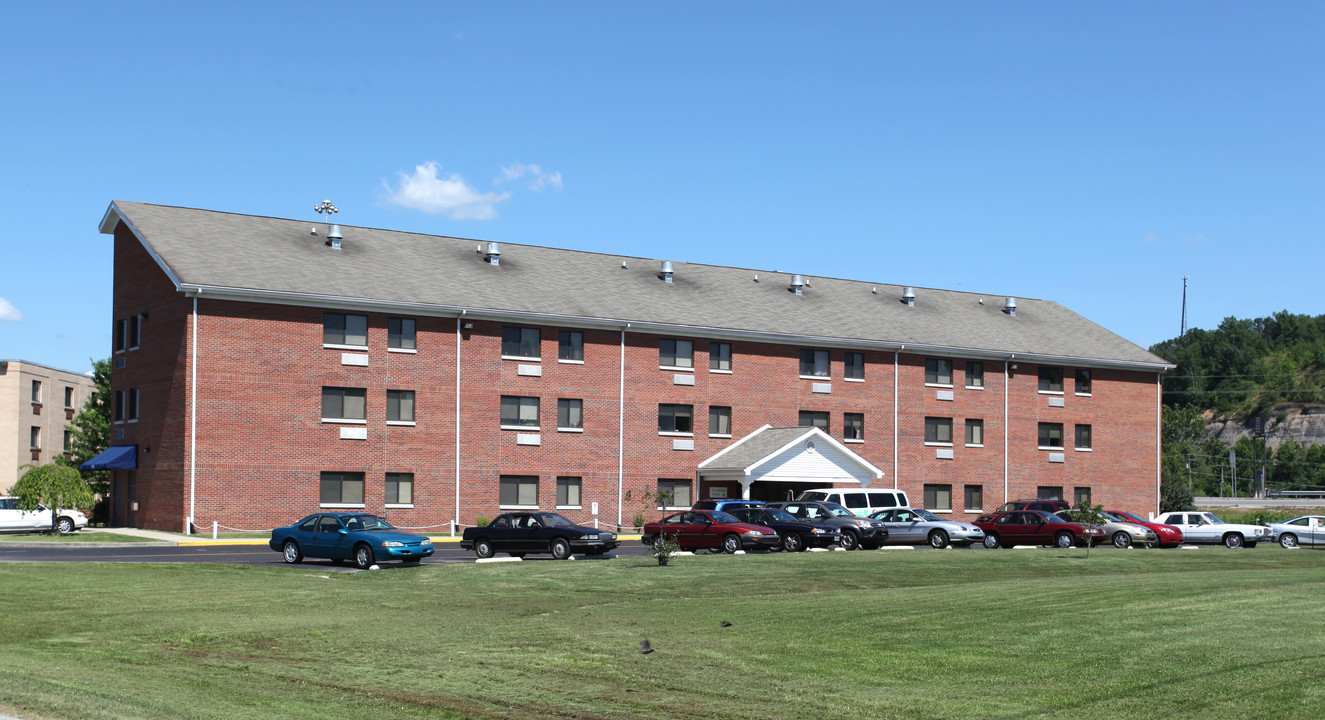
x=326, y=209
x=1184, y=308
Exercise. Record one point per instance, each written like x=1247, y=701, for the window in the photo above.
x=720, y=356
x=519, y=412
x=938, y=371
x=720, y=420
x=399, y=489
x=1083, y=381
x=570, y=414
x=938, y=431
x=342, y=329
x=121, y=335
x=676, y=418
x=344, y=404
x=520, y=342
x=1051, y=436
x=814, y=363
x=518, y=490
x=853, y=426
x=674, y=494
x=975, y=432
x=938, y=497
x=119, y=406
x=814, y=418
x=676, y=353
x=68, y=397
x=570, y=346
x=975, y=498
x=340, y=488
x=1083, y=437
x=400, y=334
x=568, y=491
x=135, y=331
x=1080, y=496
x=36, y=391
x=1049, y=492
x=855, y=366
x=975, y=374
x=400, y=406
x=35, y=443
x=133, y=404
x=1051, y=380
x=68, y=441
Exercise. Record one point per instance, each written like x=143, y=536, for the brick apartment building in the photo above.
x=37, y=403
x=263, y=371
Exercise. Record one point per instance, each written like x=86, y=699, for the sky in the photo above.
x=1091, y=154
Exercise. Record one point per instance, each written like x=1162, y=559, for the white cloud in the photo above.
x=537, y=178
x=8, y=312
x=424, y=190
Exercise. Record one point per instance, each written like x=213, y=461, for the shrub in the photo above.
x=482, y=522
x=665, y=550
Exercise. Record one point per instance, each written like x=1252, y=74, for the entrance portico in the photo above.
x=771, y=462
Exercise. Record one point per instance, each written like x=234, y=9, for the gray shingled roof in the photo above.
x=755, y=447
x=269, y=256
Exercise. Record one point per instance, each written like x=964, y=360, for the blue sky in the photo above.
x=1087, y=153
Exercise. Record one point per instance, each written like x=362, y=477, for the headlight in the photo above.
x=426, y=541
x=392, y=543
x=754, y=532
x=817, y=531
x=590, y=537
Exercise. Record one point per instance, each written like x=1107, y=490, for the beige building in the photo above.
x=36, y=405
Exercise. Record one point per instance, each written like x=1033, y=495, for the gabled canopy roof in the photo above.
x=796, y=454
x=273, y=260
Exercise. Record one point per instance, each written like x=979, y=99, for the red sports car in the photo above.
x=711, y=529
x=1169, y=535
x=1035, y=527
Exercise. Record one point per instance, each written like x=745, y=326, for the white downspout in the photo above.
x=1159, y=436
x=621, y=434
x=456, y=522
x=896, y=355
x=1007, y=381
x=193, y=422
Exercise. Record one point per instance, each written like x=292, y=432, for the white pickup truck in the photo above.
x=13, y=520
x=1204, y=527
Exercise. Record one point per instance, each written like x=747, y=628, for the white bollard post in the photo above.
x=213, y=529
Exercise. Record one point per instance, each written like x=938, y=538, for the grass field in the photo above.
x=1211, y=633
x=74, y=538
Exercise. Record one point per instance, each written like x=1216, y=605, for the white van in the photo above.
x=860, y=501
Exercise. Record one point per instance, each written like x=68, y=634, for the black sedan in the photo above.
x=520, y=533
x=797, y=535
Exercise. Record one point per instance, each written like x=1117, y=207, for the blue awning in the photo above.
x=119, y=457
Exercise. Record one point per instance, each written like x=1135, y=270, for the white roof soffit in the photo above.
x=816, y=432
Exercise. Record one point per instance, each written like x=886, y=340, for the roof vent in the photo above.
x=797, y=285
x=334, y=237
x=493, y=254
x=666, y=273
x=326, y=210
x=1010, y=307
x=909, y=296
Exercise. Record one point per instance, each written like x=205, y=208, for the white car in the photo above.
x=13, y=520
x=1204, y=527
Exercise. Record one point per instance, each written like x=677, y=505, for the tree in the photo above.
x=1090, y=516
x=56, y=486
x=1173, y=495
x=91, y=430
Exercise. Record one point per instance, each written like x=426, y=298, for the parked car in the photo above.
x=856, y=532
x=519, y=533
x=1035, y=527
x=1304, y=530
x=14, y=520
x=915, y=525
x=862, y=502
x=1121, y=533
x=1204, y=527
x=359, y=537
x=1049, y=506
x=709, y=529
x=797, y=535
x=1169, y=535
x=726, y=504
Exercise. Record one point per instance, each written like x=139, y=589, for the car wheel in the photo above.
x=938, y=539
x=791, y=542
x=1121, y=539
x=1233, y=540
x=65, y=526
x=483, y=548
x=560, y=549
x=850, y=540
x=730, y=544
x=1064, y=540
x=658, y=542
x=363, y=557
x=290, y=551
x=991, y=541
x=1288, y=540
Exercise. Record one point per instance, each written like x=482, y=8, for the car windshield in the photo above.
x=779, y=515
x=926, y=515
x=355, y=523
x=554, y=520
x=722, y=517
x=835, y=510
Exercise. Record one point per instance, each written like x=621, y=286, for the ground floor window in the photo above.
x=568, y=491
x=975, y=498
x=518, y=490
x=340, y=488
x=853, y=426
x=674, y=494
x=1049, y=492
x=938, y=497
x=400, y=488
x=1081, y=496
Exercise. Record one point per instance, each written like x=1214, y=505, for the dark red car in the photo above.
x=1035, y=527
x=1049, y=506
x=1169, y=535
x=710, y=529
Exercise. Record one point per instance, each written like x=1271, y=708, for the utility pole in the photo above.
x=1184, y=308
x=1189, y=474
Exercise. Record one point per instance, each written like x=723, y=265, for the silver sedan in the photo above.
x=1305, y=530
x=1125, y=534
x=911, y=526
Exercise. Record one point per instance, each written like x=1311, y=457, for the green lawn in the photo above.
x=83, y=536
x=1211, y=633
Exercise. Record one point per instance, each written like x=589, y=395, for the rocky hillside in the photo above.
x=1303, y=423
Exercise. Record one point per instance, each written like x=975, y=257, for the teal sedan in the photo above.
x=359, y=537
